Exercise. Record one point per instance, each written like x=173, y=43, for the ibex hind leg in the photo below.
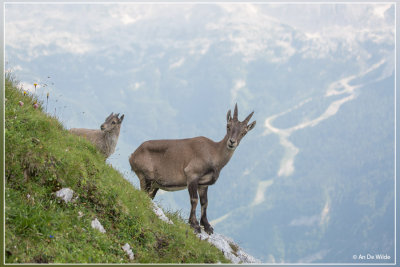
x=153, y=192
x=145, y=184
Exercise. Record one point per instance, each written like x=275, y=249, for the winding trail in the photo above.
x=342, y=87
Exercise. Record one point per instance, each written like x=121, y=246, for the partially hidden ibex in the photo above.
x=194, y=163
x=106, y=138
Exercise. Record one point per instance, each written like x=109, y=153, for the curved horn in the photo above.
x=248, y=117
x=109, y=116
x=235, y=113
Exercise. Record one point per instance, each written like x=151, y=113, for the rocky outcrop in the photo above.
x=230, y=249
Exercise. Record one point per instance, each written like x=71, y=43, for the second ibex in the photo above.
x=106, y=138
x=194, y=163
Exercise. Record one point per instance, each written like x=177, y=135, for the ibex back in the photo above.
x=194, y=163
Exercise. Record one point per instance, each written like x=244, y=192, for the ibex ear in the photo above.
x=121, y=118
x=251, y=126
x=228, y=116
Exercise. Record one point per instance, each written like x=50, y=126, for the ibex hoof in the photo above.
x=209, y=230
x=196, y=228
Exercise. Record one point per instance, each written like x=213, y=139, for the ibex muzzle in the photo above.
x=193, y=163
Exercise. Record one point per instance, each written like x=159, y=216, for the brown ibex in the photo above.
x=106, y=138
x=194, y=163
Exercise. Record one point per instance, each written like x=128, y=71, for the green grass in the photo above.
x=41, y=157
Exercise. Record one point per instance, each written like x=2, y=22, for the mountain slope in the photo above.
x=41, y=157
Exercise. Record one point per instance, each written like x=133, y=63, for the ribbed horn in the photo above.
x=248, y=117
x=235, y=113
x=109, y=116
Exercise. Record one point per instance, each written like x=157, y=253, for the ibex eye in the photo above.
x=113, y=122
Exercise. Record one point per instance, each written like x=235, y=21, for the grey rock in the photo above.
x=97, y=225
x=129, y=251
x=159, y=212
x=65, y=194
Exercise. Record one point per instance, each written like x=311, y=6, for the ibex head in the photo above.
x=236, y=129
x=112, y=122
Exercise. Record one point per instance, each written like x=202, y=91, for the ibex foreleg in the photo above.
x=192, y=187
x=204, y=203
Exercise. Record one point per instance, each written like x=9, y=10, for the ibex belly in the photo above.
x=172, y=188
x=207, y=179
x=171, y=185
x=168, y=180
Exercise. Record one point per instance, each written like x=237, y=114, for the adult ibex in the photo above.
x=194, y=163
x=106, y=138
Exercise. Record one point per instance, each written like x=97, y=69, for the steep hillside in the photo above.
x=41, y=157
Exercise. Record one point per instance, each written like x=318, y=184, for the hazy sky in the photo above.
x=77, y=29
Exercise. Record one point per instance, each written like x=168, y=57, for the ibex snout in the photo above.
x=232, y=143
x=102, y=127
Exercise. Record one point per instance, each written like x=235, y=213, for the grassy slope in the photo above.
x=40, y=158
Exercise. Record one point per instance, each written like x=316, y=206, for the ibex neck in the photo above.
x=110, y=140
x=224, y=152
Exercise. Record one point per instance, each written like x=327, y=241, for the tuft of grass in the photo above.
x=41, y=157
